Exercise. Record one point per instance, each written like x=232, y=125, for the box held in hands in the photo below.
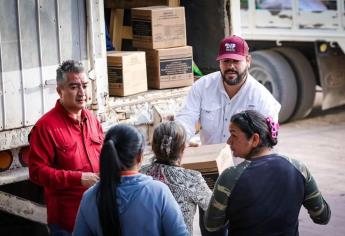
x=210, y=160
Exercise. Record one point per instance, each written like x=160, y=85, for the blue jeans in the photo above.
x=56, y=230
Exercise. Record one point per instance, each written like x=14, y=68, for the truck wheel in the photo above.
x=305, y=79
x=275, y=73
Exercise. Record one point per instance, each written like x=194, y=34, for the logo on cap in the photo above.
x=230, y=47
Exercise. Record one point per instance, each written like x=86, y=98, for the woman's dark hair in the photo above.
x=168, y=142
x=121, y=146
x=251, y=122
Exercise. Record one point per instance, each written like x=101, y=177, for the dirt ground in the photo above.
x=319, y=142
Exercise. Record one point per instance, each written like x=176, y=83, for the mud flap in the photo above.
x=331, y=61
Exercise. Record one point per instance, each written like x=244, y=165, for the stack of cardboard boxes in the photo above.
x=160, y=32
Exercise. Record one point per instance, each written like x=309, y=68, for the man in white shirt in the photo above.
x=214, y=98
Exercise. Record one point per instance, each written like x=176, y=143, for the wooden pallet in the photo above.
x=117, y=30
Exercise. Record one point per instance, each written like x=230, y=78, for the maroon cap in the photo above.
x=233, y=47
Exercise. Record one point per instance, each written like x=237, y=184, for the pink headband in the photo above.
x=273, y=127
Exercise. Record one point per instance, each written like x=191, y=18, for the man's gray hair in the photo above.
x=68, y=67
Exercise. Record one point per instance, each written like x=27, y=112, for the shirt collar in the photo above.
x=67, y=115
x=129, y=172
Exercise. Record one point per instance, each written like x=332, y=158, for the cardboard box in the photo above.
x=159, y=27
x=169, y=67
x=126, y=73
x=210, y=160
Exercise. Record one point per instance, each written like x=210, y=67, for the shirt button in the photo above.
x=226, y=119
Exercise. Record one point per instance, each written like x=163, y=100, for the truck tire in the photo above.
x=305, y=79
x=275, y=73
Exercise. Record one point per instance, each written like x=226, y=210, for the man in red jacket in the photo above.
x=64, y=149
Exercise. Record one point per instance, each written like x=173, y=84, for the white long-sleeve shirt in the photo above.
x=208, y=103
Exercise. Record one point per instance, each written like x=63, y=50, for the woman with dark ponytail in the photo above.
x=262, y=195
x=125, y=202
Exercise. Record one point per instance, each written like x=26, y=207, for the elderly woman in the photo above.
x=187, y=186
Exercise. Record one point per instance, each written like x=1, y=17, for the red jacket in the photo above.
x=60, y=150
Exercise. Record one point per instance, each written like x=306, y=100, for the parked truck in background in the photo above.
x=295, y=45
x=293, y=49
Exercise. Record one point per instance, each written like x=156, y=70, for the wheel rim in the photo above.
x=276, y=74
x=305, y=79
x=264, y=78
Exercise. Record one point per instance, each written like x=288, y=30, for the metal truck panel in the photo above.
x=71, y=15
x=48, y=34
x=97, y=50
x=35, y=36
x=286, y=19
x=293, y=24
x=265, y=19
x=10, y=62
